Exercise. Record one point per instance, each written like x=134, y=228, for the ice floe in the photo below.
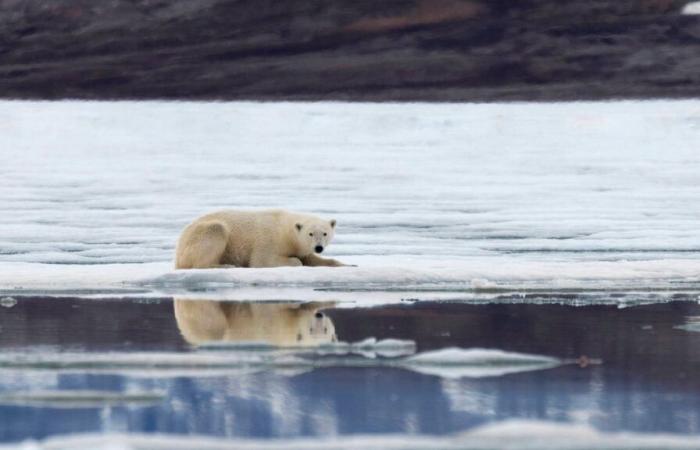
x=692, y=8
x=476, y=363
x=506, y=435
x=94, y=194
x=220, y=359
x=79, y=398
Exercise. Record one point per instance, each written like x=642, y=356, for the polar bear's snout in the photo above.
x=318, y=249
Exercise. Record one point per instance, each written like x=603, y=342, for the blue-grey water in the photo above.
x=631, y=369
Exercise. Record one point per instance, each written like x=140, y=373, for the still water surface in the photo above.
x=75, y=365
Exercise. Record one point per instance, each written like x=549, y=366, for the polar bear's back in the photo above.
x=244, y=223
x=229, y=237
x=280, y=324
x=267, y=238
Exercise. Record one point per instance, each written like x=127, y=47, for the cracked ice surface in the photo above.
x=97, y=192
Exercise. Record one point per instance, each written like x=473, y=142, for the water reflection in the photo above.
x=648, y=380
x=692, y=323
x=278, y=324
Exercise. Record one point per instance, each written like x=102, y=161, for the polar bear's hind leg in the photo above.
x=202, y=246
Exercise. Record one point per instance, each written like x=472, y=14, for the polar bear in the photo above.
x=279, y=324
x=268, y=238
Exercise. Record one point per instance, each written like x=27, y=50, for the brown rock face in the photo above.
x=442, y=50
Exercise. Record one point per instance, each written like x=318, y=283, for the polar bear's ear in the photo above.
x=299, y=226
x=333, y=223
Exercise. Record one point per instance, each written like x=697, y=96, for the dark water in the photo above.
x=631, y=369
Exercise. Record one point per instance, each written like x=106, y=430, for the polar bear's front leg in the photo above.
x=314, y=260
x=274, y=261
x=288, y=261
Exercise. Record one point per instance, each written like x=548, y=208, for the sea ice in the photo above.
x=94, y=194
x=508, y=435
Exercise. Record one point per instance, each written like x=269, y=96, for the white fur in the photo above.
x=691, y=8
x=280, y=324
x=268, y=238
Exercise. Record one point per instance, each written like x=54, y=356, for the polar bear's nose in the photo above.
x=318, y=315
x=319, y=248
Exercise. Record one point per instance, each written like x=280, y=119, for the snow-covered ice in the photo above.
x=94, y=194
x=692, y=8
x=65, y=398
x=513, y=434
x=216, y=360
x=477, y=363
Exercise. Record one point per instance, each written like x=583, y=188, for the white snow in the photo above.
x=691, y=8
x=371, y=348
x=371, y=283
x=7, y=302
x=476, y=356
x=505, y=435
x=94, y=194
x=214, y=360
x=456, y=362
x=692, y=323
x=66, y=398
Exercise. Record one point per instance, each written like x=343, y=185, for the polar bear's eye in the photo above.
x=325, y=234
x=311, y=234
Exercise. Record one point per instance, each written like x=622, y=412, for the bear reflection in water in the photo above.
x=279, y=324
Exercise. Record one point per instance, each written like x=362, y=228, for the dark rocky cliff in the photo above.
x=360, y=50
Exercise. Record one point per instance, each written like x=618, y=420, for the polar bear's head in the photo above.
x=313, y=236
x=315, y=329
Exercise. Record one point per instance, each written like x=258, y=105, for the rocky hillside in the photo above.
x=451, y=50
